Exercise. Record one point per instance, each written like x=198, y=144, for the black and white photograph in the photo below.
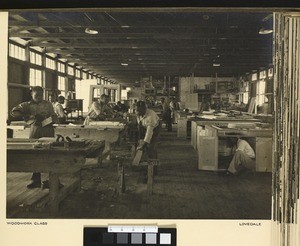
x=172, y=114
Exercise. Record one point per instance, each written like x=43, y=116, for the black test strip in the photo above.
x=99, y=236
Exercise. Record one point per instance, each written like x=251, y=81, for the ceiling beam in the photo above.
x=137, y=24
x=134, y=36
x=134, y=46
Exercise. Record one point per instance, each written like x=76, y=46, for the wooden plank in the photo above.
x=150, y=180
x=137, y=158
x=39, y=161
x=263, y=158
x=53, y=193
x=208, y=153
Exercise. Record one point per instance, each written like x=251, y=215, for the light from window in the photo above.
x=61, y=67
x=260, y=92
x=17, y=52
x=262, y=75
x=254, y=77
x=35, y=77
x=96, y=93
x=70, y=70
x=270, y=72
x=35, y=58
x=84, y=76
x=77, y=73
x=62, y=85
x=50, y=63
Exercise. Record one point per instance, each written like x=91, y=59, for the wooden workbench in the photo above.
x=31, y=155
x=209, y=146
x=111, y=134
x=108, y=131
x=184, y=129
x=198, y=125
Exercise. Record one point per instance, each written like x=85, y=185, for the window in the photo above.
x=246, y=92
x=262, y=75
x=84, y=76
x=61, y=67
x=70, y=70
x=17, y=52
x=260, y=92
x=35, y=77
x=77, y=73
x=62, y=85
x=254, y=77
x=270, y=72
x=50, y=63
x=35, y=58
x=96, y=93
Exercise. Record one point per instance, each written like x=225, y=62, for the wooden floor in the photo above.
x=181, y=191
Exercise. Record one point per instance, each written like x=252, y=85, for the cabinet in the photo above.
x=182, y=128
x=207, y=153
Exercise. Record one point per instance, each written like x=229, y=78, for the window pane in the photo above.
x=17, y=52
x=35, y=77
x=50, y=63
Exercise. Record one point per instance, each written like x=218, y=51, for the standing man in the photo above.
x=166, y=114
x=173, y=108
x=148, y=129
x=35, y=113
x=243, y=158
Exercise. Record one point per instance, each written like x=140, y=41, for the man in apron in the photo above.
x=35, y=112
x=148, y=128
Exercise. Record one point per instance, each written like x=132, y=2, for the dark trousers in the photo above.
x=167, y=119
x=151, y=148
x=39, y=132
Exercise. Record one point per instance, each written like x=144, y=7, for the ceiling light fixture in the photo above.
x=216, y=64
x=134, y=47
x=91, y=31
x=124, y=64
x=125, y=26
x=264, y=31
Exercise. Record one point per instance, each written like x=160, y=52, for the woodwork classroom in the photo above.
x=212, y=78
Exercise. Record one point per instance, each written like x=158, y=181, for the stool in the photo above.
x=150, y=163
x=121, y=171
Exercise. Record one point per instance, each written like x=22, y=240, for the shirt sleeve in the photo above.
x=150, y=123
x=20, y=110
x=149, y=134
x=51, y=112
x=60, y=111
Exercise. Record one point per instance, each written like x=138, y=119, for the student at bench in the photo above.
x=35, y=112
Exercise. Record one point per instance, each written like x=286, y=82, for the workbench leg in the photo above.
x=53, y=193
x=108, y=149
x=150, y=180
x=99, y=158
x=121, y=178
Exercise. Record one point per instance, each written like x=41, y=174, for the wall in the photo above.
x=135, y=93
x=187, y=85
